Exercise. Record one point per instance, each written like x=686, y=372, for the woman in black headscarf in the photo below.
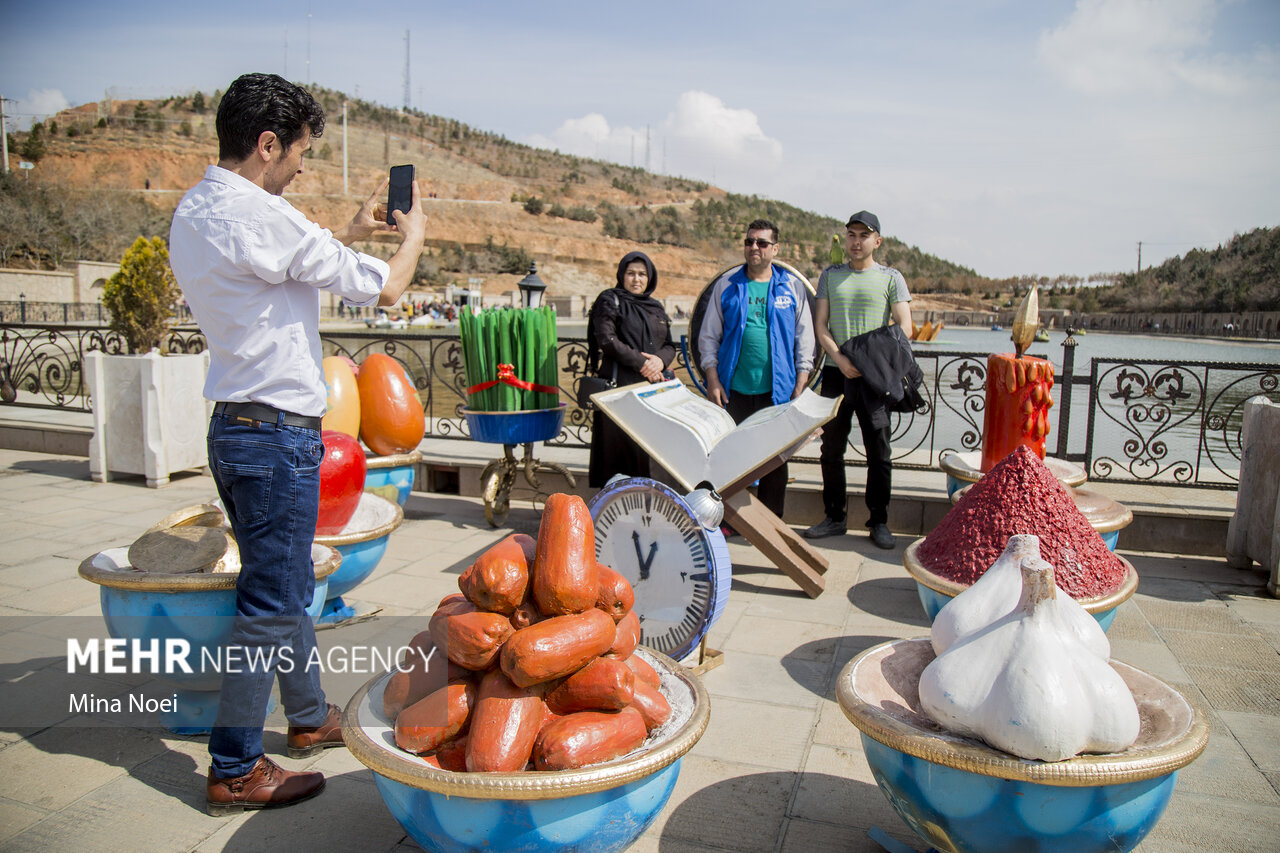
x=630, y=334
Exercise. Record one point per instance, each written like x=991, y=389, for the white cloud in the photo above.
x=704, y=135
x=38, y=105
x=1116, y=47
x=701, y=137
x=591, y=136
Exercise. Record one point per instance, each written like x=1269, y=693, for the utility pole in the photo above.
x=4, y=136
x=407, y=98
x=1139, y=256
x=285, y=75
x=308, y=42
x=646, y=148
x=345, y=190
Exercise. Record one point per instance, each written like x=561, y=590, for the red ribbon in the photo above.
x=507, y=376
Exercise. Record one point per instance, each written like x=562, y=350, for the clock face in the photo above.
x=678, y=569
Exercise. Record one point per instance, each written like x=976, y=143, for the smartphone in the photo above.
x=400, y=193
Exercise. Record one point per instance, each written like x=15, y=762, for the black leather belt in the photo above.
x=259, y=414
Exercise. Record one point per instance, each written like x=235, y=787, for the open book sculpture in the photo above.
x=698, y=442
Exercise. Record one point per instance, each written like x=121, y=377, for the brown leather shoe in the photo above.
x=305, y=741
x=267, y=785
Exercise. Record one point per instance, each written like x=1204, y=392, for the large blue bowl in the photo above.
x=601, y=808
x=936, y=592
x=391, y=477
x=361, y=544
x=199, y=608
x=523, y=427
x=961, y=795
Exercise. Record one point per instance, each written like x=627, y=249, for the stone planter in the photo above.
x=1254, y=531
x=149, y=414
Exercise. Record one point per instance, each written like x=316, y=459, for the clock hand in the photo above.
x=644, y=563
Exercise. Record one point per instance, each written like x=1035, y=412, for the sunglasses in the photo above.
x=759, y=244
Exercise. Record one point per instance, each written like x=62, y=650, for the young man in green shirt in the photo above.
x=854, y=298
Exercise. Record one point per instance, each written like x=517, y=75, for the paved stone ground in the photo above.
x=779, y=768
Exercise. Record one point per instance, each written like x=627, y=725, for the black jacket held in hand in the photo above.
x=891, y=377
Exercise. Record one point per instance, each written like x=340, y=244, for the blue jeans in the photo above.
x=268, y=477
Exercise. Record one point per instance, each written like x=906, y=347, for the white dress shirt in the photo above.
x=251, y=268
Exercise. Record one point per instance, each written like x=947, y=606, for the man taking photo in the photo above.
x=251, y=268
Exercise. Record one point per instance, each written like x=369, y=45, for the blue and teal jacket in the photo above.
x=790, y=329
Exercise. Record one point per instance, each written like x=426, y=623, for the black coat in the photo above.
x=623, y=337
x=891, y=377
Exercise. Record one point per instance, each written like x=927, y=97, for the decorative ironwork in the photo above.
x=1148, y=421
x=44, y=365
x=1224, y=419
x=964, y=378
x=1151, y=421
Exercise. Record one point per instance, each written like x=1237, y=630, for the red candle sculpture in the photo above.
x=1018, y=393
x=1017, y=411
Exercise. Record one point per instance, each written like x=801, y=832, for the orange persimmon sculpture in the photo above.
x=391, y=417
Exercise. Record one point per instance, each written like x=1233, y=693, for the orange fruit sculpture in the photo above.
x=343, y=404
x=391, y=417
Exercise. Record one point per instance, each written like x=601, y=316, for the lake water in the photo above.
x=1110, y=346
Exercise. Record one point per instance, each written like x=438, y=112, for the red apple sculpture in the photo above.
x=341, y=481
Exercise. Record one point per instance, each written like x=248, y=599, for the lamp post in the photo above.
x=532, y=288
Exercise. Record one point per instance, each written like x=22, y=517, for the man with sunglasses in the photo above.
x=855, y=298
x=756, y=342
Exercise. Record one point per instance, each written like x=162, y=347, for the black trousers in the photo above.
x=613, y=452
x=772, y=490
x=835, y=439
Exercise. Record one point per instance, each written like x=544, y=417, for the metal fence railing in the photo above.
x=1136, y=420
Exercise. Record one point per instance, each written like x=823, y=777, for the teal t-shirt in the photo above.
x=752, y=375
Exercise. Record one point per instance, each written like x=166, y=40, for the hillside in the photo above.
x=107, y=172
x=1243, y=275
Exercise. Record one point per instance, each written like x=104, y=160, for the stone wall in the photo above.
x=81, y=283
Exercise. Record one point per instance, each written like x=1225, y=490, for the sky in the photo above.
x=1013, y=137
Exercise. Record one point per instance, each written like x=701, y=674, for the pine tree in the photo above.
x=33, y=146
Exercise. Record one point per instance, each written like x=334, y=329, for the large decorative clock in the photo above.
x=679, y=568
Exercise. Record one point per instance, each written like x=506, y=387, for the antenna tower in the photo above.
x=407, y=98
x=308, y=43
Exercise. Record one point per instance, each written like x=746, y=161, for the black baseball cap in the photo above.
x=866, y=218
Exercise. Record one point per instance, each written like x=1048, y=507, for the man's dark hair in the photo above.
x=259, y=102
x=763, y=225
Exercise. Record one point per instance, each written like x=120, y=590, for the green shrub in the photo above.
x=141, y=296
